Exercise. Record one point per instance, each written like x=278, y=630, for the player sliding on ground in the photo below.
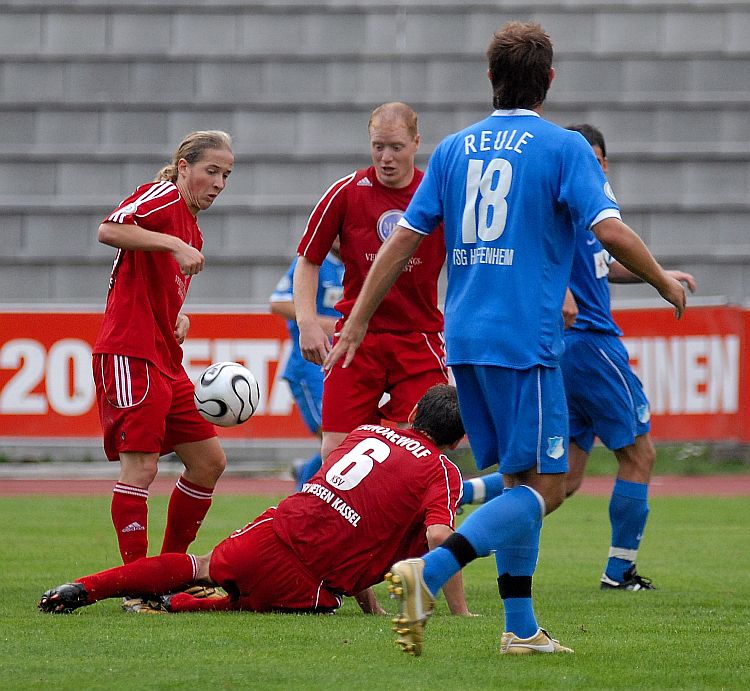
x=381, y=496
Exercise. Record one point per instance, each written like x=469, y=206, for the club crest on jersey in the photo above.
x=644, y=414
x=610, y=192
x=387, y=222
x=555, y=447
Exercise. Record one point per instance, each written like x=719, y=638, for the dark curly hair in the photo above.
x=438, y=415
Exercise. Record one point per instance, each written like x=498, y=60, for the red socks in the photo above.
x=130, y=518
x=188, y=506
x=149, y=576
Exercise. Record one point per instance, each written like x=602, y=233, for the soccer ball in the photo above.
x=227, y=394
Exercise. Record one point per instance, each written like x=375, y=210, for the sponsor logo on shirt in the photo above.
x=387, y=222
x=601, y=263
x=364, y=182
x=181, y=287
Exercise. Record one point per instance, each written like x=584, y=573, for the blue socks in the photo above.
x=311, y=467
x=440, y=565
x=510, y=525
x=480, y=490
x=628, y=511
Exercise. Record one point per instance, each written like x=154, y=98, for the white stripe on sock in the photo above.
x=480, y=490
x=621, y=553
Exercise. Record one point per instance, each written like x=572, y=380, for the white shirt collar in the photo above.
x=514, y=111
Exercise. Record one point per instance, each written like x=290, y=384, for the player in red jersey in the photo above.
x=333, y=538
x=403, y=353
x=144, y=395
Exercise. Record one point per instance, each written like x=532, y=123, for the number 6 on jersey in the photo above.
x=354, y=466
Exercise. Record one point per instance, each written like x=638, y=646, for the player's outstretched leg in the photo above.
x=416, y=603
x=480, y=490
x=540, y=642
x=64, y=599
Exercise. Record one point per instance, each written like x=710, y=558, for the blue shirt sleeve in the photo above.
x=284, y=291
x=584, y=188
x=426, y=210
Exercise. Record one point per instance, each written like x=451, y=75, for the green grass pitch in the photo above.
x=691, y=633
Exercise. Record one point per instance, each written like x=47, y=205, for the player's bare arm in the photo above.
x=285, y=309
x=453, y=588
x=623, y=243
x=619, y=274
x=570, y=309
x=313, y=340
x=387, y=267
x=132, y=237
x=181, y=328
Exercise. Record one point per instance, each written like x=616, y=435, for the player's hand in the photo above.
x=191, y=261
x=314, y=344
x=346, y=345
x=570, y=309
x=684, y=277
x=674, y=292
x=328, y=324
x=368, y=602
x=181, y=328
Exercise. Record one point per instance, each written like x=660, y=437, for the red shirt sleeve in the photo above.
x=444, y=494
x=325, y=222
x=150, y=207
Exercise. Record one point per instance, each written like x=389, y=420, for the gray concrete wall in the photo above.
x=95, y=95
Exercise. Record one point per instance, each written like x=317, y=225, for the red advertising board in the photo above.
x=47, y=391
x=696, y=371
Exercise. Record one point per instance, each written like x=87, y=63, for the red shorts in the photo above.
x=252, y=564
x=403, y=365
x=143, y=410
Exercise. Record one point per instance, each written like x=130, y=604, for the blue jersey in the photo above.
x=330, y=290
x=511, y=190
x=589, y=283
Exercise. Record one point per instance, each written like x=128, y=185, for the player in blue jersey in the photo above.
x=605, y=398
x=305, y=378
x=511, y=190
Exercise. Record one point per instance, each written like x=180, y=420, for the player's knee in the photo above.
x=555, y=497
x=637, y=461
x=202, y=564
x=138, y=470
x=572, y=484
x=215, y=464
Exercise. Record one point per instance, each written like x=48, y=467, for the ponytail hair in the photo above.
x=192, y=148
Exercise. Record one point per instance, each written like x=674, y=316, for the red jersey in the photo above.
x=147, y=289
x=364, y=213
x=369, y=506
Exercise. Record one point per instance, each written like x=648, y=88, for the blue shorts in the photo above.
x=308, y=395
x=605, y=398
x=516, y=418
